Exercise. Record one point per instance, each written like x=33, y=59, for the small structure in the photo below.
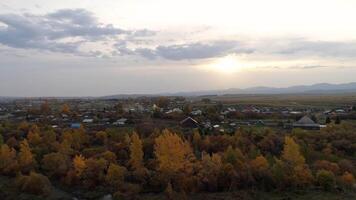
x=196, y=112
x=88, y=120
x=189, y=123
x=120, y=122
x=306, y=123
x=75, y=125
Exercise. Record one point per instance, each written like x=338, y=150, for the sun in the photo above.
x=227, y=64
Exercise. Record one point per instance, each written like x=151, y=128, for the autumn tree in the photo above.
x=259, y=164
x=196, y=140
x=94, y=172
x=8, y=162
x=65, y=109
x=26, y=159
x=109, y=156
x=34, y=183
x=325, y=179
x=210, y=171
x=115, y=174
x=163, y=102
x=298, y=171
x=45, y=108
x=55, y=164
x=171, y=151
x=291, y=153
x=102, y=136
x=169, y=191
x=34, y=138
x=136, y=153
x=79, y=164
x=348, y=179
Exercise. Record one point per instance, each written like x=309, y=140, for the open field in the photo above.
x=295, y=100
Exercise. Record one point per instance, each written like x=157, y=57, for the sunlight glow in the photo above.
x=228, y=64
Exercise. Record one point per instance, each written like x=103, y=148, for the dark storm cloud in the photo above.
x=194, y=50
x=47, y=32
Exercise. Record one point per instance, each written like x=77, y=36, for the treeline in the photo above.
x=127, y=164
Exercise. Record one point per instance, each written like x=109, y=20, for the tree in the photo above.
x=34, y=183
x=45, y=108
x=327, y=120
x=65, y=109
x=102, y=136
x=94, y=172
x=210, y=171
x=163, y=102
x=259, y=164
x=34, y=138
x=26, y=159
x=326, y=179
x=169, y=191
x=171, y=151
x=297, y=171
x=55, y=164
x=187, y=109
x=348, y=179
x=115, y=174
x=337, y=120
x=8, y=162
x=291, y=153
x=136, y=153
x=196, y=140
x=79, y=164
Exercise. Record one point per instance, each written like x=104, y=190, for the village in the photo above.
x=185, y=114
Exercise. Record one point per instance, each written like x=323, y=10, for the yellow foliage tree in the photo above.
x=79, y=164
x=136, y=153
x=25, y=158
x=34, y=138
x=115, y=174
x=102, y=136
x=8, y=162
x=65, y=109
x=171, y=151
x=196, y=140
x=291, y=152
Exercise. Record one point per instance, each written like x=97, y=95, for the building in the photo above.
x=189, y=123
x=306, y=123
x=75, y=125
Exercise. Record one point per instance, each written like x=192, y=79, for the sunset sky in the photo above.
x=103, y=47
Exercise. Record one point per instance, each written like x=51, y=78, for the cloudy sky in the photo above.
x=103, y=47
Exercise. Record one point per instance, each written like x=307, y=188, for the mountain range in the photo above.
x=320, y=88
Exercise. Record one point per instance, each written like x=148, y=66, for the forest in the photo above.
x=38, y=162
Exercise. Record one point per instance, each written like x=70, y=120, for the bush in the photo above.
x=34, y=183
x=325, y=179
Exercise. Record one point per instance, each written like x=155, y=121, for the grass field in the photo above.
x=294, y=100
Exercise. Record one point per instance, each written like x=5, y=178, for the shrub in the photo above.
x=326, y=179
x=34, y=183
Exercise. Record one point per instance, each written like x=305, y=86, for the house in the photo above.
x=189, y=123
x=88, y=120
x=120, y=122
x=306, y=123
x=75, y=125
x=196, y=112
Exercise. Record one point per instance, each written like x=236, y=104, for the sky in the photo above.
x=105, y=47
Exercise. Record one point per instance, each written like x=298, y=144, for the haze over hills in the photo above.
x=320, y=88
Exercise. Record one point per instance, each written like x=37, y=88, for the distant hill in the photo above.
x=320, y=88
